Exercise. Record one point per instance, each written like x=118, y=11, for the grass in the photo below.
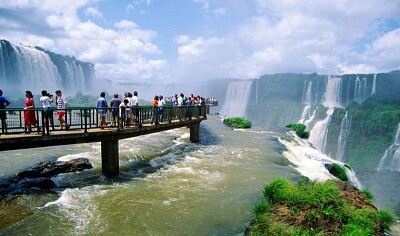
x=237, y=122
x=311, y=208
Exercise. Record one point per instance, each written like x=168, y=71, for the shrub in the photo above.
x=237, y=122
x=338, y=171
x=300, y=130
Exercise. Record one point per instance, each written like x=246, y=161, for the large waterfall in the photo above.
x=236, y=99
x=391, y=158
x=333, y=92
x=27, y=68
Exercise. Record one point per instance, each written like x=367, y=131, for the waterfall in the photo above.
x=307, y=122
x=28, y=68
x=332, y=97
x=360, y=90
x=306, y=99
x=374, y=85
x=311, y=162
x=257, y=91
x=343, y=135
x=236, y=99
x=319, y=132
x=391, y=158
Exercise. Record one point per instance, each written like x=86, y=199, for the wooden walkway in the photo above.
x=85, y=129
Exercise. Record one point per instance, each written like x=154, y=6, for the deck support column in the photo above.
x=110, y=157
x=194, y=132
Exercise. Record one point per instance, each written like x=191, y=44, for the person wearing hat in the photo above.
x=46, y=101
x=114, y=106
x=4, y=102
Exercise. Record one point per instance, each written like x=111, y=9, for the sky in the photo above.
x=168, y=41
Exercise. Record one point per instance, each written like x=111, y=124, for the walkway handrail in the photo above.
x=86, y=118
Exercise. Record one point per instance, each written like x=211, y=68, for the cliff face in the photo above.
x=27, y=68
x=352, y=118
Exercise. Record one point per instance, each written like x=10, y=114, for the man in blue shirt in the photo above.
x=3, y=116
x=102, y=109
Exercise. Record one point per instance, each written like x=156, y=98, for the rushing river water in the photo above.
x=167, y=185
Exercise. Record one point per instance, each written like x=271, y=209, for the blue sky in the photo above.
x=162, y=41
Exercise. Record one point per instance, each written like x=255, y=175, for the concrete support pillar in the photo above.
x=110, y=157
x=194, y=132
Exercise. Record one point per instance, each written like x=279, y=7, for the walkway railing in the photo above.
x=85, y=118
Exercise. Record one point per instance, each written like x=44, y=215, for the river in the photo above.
x=167, y=185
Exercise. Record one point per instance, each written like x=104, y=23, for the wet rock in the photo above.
x=48, y=169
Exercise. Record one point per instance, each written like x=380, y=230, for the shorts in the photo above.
x=60, y=114
x=3, y=115
x=48, y=113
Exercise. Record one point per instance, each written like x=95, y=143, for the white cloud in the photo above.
x=125, y=24
x=257, y=37
x=91, y=11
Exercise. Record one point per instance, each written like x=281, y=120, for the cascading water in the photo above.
x=306, y=99
x=343, y=135
x=333, y=93
x=319, y=132
x=391, y=158
x=311, y=162
x=236, y=99
x=373, y=85
x=27, y=68
x=360, y=90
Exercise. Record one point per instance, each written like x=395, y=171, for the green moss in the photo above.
x=237, y=122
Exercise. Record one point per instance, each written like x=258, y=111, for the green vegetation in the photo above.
x=311, y=208
x=237, y=122
x=373, y=126
x=338, y=171
x=300, y=130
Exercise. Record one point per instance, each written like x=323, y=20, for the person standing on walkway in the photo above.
x=154, y=110
x=114, y=105
x=29, y=113
x=161, y=104
x=61, y=106
x=46, y=100
x=135, y=112
x=4, y=102
x=102, y=109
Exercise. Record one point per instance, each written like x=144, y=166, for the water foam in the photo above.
x=310, y=162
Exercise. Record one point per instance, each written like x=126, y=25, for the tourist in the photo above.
x=29, y=113
x=128, y=111
x=46, y=101
x=114, y=105
x=154, y=110
x=102, y=109
x=4, y=102
x=61, y=106
x=122, y=106
x=135, y=104
x=161, y=104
